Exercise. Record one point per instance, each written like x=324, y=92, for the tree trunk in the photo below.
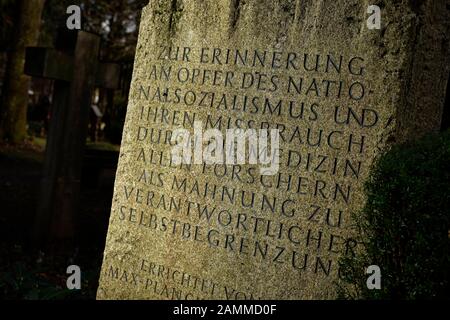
x=15, y=98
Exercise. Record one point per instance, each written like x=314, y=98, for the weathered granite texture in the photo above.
x=370, y=88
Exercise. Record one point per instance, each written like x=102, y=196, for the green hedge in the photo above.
x=405, y=225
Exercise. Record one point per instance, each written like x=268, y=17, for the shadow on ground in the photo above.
x=25, y=274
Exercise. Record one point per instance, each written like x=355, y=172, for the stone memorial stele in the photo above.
x=339, y=92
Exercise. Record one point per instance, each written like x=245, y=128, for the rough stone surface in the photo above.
x=371, y=88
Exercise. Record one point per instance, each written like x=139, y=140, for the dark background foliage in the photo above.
x=24, y=272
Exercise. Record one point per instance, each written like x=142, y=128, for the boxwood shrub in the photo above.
x=405, y=225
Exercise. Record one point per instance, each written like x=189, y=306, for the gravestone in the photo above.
x=74, y=66
x=338, y=92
